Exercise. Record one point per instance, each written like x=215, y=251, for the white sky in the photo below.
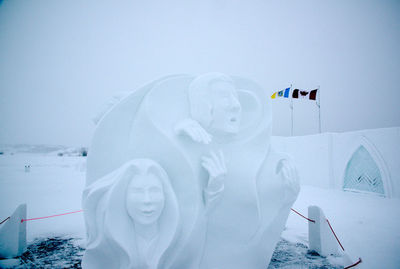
x=61, y=60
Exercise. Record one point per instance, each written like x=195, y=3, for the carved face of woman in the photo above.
x=227, y=111
x=145, y=199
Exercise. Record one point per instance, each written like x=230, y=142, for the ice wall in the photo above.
x=322, y=158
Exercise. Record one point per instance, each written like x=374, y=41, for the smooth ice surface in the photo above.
x=363, y=174
x=181, y=174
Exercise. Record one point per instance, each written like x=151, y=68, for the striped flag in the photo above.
x=301, y=94
x=284, y=93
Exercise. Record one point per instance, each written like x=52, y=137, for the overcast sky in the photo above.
x=61, y=60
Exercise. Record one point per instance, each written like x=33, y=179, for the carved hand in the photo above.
x=194, y=130
x=215, y=166
x=290, y=178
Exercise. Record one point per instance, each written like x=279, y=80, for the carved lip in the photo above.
x=148, y=212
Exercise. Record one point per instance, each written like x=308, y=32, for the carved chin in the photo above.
x=146, y=219
x=233, y=129
x=233, y=126
x=228, y=130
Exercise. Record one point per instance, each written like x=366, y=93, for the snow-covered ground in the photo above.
x=368, y=226
x=53, y=185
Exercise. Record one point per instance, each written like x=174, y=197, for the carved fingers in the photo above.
x=194, y=130
x=216, y=168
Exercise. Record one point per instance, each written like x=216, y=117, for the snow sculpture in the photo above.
x=211, y=135
x=132, y=217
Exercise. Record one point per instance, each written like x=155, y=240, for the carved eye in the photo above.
x=155, y=190
x=136, y=190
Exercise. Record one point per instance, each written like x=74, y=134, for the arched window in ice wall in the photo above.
x=362, y=173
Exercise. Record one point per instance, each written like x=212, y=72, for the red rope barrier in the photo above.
x=337, y=239
x=4, y=220
x=302, y=215
x=355, y=264
x=52, y=216
x=334, y=234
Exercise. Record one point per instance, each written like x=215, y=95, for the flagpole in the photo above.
x=291, y=108
x=319, y=108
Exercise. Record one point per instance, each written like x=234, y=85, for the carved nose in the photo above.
x=147, y=198
x=235, y=105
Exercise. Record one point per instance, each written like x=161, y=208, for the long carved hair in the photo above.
x=111, y=237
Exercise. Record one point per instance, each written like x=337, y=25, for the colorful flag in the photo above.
x=301, y=94
x=284, y=93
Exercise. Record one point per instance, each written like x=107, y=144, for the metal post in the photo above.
x=319, y=109
x=291, y=107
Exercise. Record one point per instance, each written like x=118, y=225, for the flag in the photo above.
x=284, y=93
x=301, y=94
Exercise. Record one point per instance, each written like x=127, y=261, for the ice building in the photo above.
x=366, y=161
